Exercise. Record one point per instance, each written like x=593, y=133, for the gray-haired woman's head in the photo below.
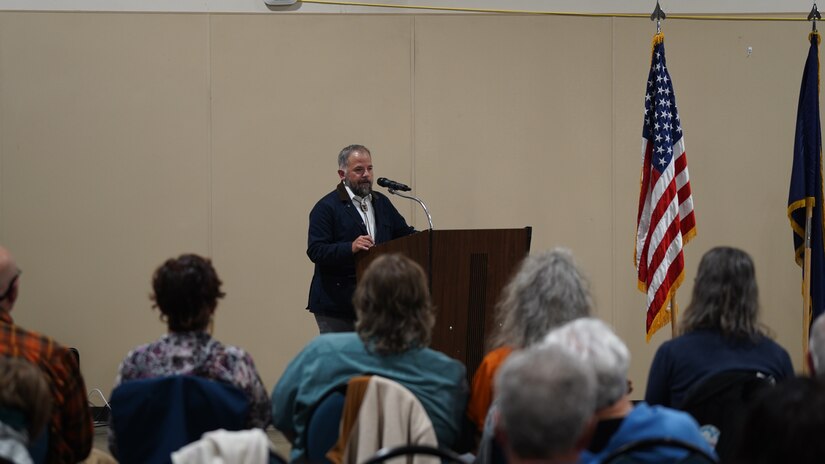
x=594, y=343
x=546, y=291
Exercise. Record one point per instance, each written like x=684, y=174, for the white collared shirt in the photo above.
x=368, y=216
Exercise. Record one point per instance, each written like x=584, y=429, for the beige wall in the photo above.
x=129, y=138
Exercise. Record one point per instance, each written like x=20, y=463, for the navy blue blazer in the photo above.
x=333, y=225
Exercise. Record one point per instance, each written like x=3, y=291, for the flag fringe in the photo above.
x=662, y=319
x=799, y=229
x=688, y=236
x=663, y=315
x=657, y=39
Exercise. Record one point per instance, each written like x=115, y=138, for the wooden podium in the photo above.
x=467, y=270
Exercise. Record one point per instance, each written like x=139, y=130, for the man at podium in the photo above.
x=351, y=219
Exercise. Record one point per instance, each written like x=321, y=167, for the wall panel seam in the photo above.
x=210, y=138
x=413, y=154
x=612, y=293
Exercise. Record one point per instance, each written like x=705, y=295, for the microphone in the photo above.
x=396, y=186
x=392, y=185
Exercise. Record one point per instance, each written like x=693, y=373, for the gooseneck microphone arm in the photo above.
x=410, y=197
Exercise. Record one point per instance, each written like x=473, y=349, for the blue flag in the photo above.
x=806, y=177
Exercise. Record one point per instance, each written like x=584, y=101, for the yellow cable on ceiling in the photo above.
x=554, y=13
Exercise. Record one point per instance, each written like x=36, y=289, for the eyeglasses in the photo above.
x=11, y=285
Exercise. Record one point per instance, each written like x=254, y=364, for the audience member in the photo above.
x=186, y=290
x=546, y=399
x=720, y=331
x=785, y=424
x=393, y=329
x=70, y=426
x=816, y=348
x=593, y=343
x=25, y=407
x=546, y=291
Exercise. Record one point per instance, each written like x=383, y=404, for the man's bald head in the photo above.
x=8, y=280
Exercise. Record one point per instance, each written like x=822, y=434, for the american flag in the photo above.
x=665, y=221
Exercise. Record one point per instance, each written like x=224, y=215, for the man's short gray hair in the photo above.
x=546, y=400
x=343, y=156
x=595, y=344
x=546, y=291
x=816, y=346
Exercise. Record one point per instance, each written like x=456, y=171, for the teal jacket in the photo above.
x=330, y=360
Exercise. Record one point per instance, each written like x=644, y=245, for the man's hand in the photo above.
x=363, y=242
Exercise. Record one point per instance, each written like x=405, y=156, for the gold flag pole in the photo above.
x=674, y=316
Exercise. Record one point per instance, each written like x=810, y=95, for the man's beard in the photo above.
x=362, y=189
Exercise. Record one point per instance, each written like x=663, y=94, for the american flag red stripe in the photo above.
x=665, y=220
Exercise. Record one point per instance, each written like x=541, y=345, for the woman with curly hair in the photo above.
x=186, y=291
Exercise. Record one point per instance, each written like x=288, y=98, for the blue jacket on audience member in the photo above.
x=684, y=361
x=653, y=422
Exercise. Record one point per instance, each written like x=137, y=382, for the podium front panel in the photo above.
x=468, y=270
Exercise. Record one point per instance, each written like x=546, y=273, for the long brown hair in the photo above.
x=393, y=305
x=725, y=296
